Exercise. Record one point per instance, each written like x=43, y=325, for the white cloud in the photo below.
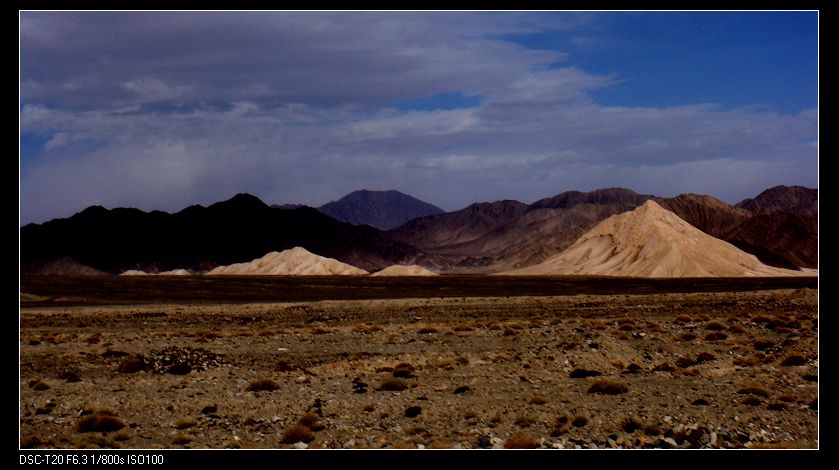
x=300, y=108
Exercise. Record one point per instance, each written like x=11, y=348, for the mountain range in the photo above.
x=779, y=226
x=200, y=238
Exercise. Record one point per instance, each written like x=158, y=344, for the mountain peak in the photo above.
x=381, y=209
x=241, y=201
x=794, y=199
x=568, y=199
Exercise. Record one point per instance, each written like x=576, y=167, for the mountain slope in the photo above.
x=381, y=209
x=458, y=227
x=508, y=234
x=651, y=241
x=791, y=199
x=200, y=238
x=781, y=237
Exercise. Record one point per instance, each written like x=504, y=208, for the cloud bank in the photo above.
x=162, y=110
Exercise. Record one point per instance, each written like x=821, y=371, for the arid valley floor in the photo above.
x=413, y=363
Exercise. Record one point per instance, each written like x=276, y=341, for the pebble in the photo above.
x=301, y=445
x=349, y=444
x=713, y=439
x=420, y=446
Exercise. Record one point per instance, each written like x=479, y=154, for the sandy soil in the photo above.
x=688, y=370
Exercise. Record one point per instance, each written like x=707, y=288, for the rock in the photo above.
x=300, y=445
x=670, y=442
x=712, y=439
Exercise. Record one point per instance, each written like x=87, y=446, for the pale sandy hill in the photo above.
x=296, y=261
x=175, y=272
x=400, y=270
x=651, y=241
x=134, y=272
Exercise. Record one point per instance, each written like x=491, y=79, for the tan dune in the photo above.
x=400, y=270
x=651, y=241
x=134, y=272
x=175, y=272
x=296, y=261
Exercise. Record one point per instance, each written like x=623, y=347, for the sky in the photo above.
x=161, y=110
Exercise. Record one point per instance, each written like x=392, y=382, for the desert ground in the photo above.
x=437, y=362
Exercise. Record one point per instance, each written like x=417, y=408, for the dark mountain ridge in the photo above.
x=239, y=229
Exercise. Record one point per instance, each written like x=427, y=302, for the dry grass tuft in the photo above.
x=714, y=326
x=297, y=433
x=752, y=401
x=38, y=385
x=132, y=365
x=100, y=421
x=181, y=439
x=583, y=373
x=705, y=357
x=523, y=421
x=403, y=370
x=794, y=360
x=538, y=401
x=579, y=421
x=184, y=423
x=392, y=384
x=263, y=385
x=521, y=442
x=312, y=421
x=756, y=390
x=607, y=387
x=664, y=367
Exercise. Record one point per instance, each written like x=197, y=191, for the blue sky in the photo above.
x=163, y=110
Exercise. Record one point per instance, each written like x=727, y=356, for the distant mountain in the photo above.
x=780, y=239
x=381, y=209
x=783, y=234
x=651, y=241
x=200, y=238
x=461, y=226
x=510, y=234
x=287, y=206
x=505, y=235
x=779, y=227
x=61, y=267
x=570, y=199
x=791, y=199
x=712, y=216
